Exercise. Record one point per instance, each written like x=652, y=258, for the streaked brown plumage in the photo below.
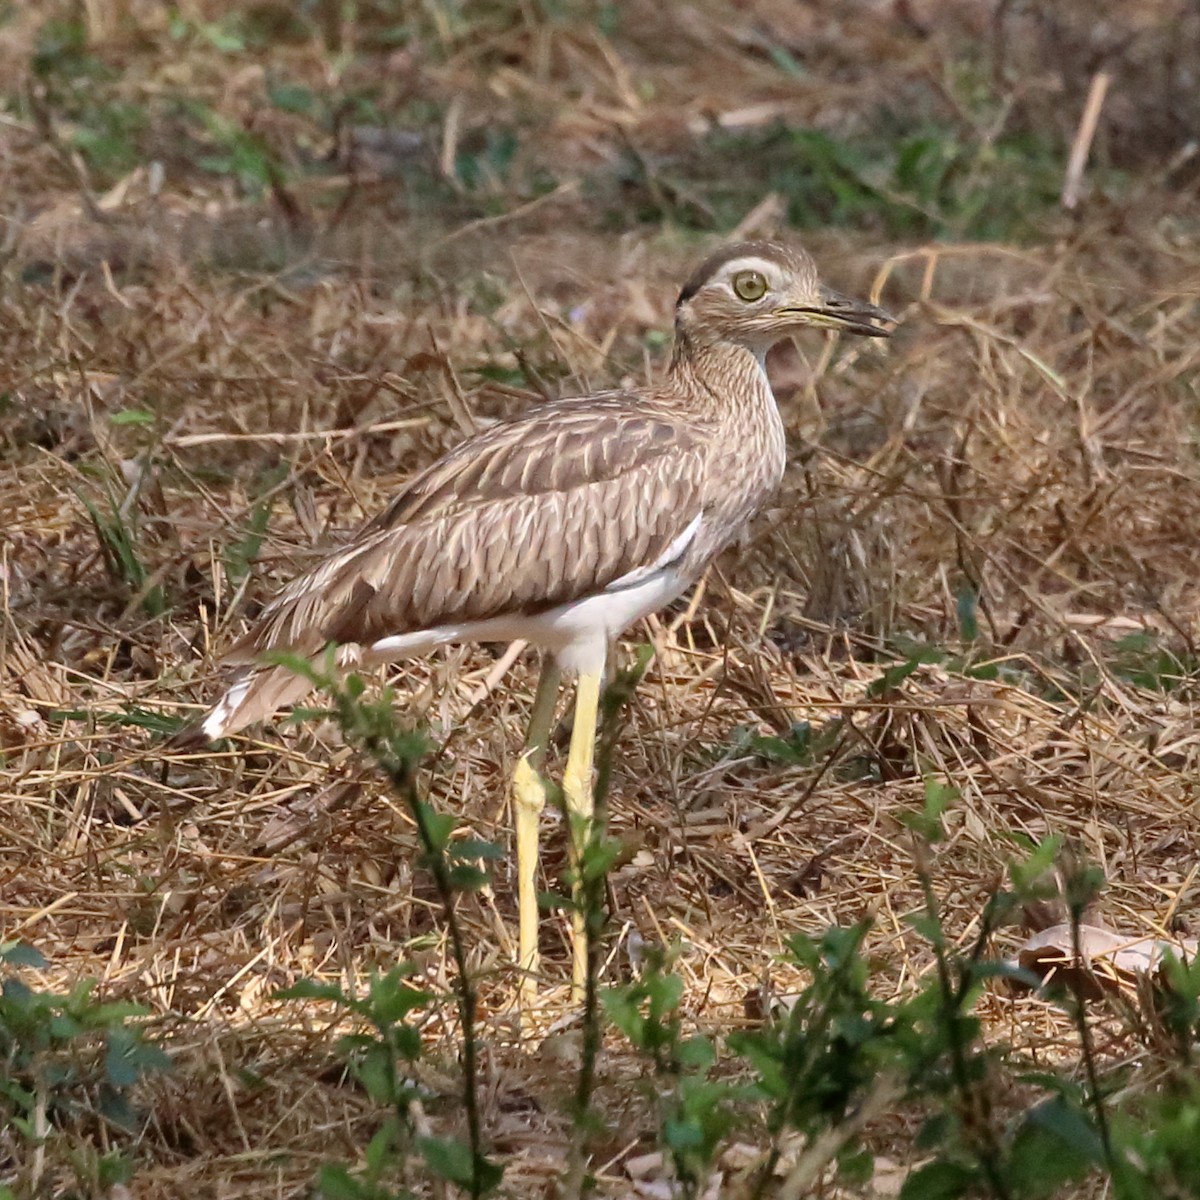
x=504, y=523
x=565, y=524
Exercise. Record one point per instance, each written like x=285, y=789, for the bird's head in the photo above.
x=754, y=294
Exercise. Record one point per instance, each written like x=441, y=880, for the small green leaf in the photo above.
x=334, y=1182
x=468, y=878
x=927, y=824
x=21, y=954
x=599, y=858
x=683, y=1134
x=143, y=718
x=392, y=1000
x=894, y=676
x=474, y=848
x=132, y=416
x=795, y=749
x=23, y=1098
x=1028, y=873
x=292, y=97
x=937, y=1129
x=622, y=1007
x=968, y=613
x=97, y=1015
x=375, y=1069
x=1055, y=1144
x=311, y=989
x=786, y=61
x=856, y=1165
x=381, y=1146
x=939, y=796
x=438, y=826
x=64, y=1028
x=555, y=902
x=127, y=1058
x=112, y=1168
x=449, y=1159
x=406, y=1041
x=938, y=1181
x=696, y=1053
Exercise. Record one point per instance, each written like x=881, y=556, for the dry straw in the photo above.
x=1019, y=465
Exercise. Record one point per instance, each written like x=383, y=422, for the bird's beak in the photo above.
x=836, y=311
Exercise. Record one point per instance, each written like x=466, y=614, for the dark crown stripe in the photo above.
x=711, y=265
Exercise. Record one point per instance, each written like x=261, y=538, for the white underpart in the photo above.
x=577, y=634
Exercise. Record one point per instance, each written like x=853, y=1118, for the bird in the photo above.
x=563, y=526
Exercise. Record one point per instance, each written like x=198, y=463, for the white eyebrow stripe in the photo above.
x=764, y=266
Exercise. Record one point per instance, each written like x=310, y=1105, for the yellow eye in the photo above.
x=750, y=286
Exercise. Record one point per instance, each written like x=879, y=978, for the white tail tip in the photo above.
x=217, y=722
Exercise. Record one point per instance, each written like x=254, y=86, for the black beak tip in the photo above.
x=856, y=316
x=879, y=331
x=874, y=321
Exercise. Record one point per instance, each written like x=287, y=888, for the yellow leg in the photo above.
x=529, y=798
x=577, y=792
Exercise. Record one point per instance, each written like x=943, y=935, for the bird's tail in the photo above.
x=254, y=695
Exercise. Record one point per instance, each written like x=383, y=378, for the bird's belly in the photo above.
x=577, y=634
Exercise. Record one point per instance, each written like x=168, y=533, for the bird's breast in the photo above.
x=748, y=468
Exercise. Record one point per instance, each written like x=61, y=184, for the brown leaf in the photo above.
x=1111, y=960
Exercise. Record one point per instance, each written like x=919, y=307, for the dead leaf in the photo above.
x=1111, y=960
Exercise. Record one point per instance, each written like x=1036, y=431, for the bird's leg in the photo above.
x=577, y=792
x=529, y=798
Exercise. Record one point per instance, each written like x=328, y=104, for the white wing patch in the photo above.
x=672, y=554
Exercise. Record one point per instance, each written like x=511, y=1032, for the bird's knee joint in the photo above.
x=575, y=780
x=528, y=789
x=577, y=787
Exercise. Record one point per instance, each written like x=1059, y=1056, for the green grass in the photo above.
x=931, y=182
x=897, y=174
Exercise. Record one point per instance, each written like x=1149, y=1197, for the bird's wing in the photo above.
x=535, y=512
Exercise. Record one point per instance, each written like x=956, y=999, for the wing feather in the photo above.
x=531, y=514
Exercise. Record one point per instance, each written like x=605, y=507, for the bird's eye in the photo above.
x=750, y=286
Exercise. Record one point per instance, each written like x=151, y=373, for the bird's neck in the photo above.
x=727, y=382
x=727, y=392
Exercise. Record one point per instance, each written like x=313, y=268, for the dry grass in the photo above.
x=1028, y=433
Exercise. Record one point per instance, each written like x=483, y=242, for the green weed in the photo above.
x=68, y=1058
x=695, y=1108
x=117, y=528
x=375, y=1058
x=1142, y=660
x=239, y=555
x=928, y=183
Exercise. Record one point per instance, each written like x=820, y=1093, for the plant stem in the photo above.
x=952, y=999
x=1085, y=1044
x=401, y=770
